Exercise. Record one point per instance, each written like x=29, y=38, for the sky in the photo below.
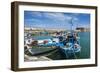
x=55, y=20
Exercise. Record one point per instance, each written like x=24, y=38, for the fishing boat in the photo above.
x=71, y=45
x=40, y=47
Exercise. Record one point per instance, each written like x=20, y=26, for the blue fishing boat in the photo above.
x=70, y=46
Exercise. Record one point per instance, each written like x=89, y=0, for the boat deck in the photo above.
x=36, y=58
x=35, y=51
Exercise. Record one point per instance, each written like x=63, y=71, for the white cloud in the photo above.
x=38, y=14
x=55, y=16
x=60, y=17
x=84, y=25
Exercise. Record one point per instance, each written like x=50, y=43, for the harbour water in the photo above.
x=85, y=44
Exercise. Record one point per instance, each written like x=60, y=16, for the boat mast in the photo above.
x=71, y=22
